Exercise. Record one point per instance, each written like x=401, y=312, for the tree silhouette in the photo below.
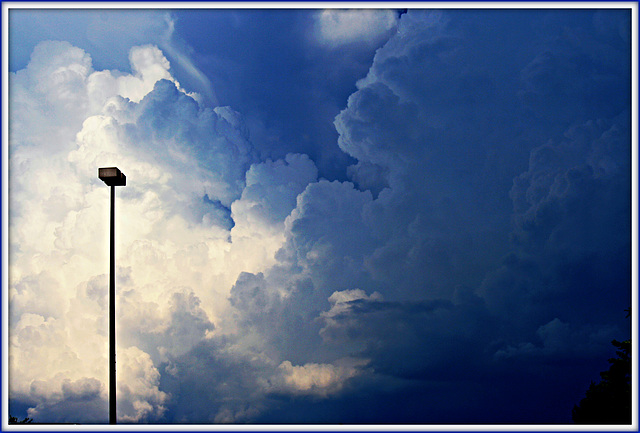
x=609, y=402
x=14, y=420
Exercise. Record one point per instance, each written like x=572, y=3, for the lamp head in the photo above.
x=112, y=176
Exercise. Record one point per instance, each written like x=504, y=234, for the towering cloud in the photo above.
x=473, y=253
x=186, y=165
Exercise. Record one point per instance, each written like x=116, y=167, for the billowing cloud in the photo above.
x=84, y=395
x=337, y=27
x=315, y=379
x=473, y=252
x=138, y=395
x=109, y=35
x=185, y=165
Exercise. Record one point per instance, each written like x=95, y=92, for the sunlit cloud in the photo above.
x=336, y=27
x=474, y=233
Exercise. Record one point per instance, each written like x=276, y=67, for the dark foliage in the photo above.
x=609, y=402
x=14, y=420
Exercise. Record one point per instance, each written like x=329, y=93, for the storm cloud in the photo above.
x=436, y=231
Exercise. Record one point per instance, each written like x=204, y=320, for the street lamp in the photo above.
x=113, y=177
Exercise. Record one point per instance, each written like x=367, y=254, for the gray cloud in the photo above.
x=80, y=396
x=479, y=254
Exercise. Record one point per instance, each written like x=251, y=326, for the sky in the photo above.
x=331, y=216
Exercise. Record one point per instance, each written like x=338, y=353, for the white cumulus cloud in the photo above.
x=187, y=168
x=336, y=27
x=316, y=379
x=249, y=286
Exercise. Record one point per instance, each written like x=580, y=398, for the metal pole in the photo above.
x=113, y=177
x=112, y=315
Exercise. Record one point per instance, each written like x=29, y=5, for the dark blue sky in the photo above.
x=331, y=216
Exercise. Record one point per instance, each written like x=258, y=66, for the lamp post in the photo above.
x=113, y=177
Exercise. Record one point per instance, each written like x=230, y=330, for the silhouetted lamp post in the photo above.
x=113, y=177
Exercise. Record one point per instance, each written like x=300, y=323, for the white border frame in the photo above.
x=6, y=6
